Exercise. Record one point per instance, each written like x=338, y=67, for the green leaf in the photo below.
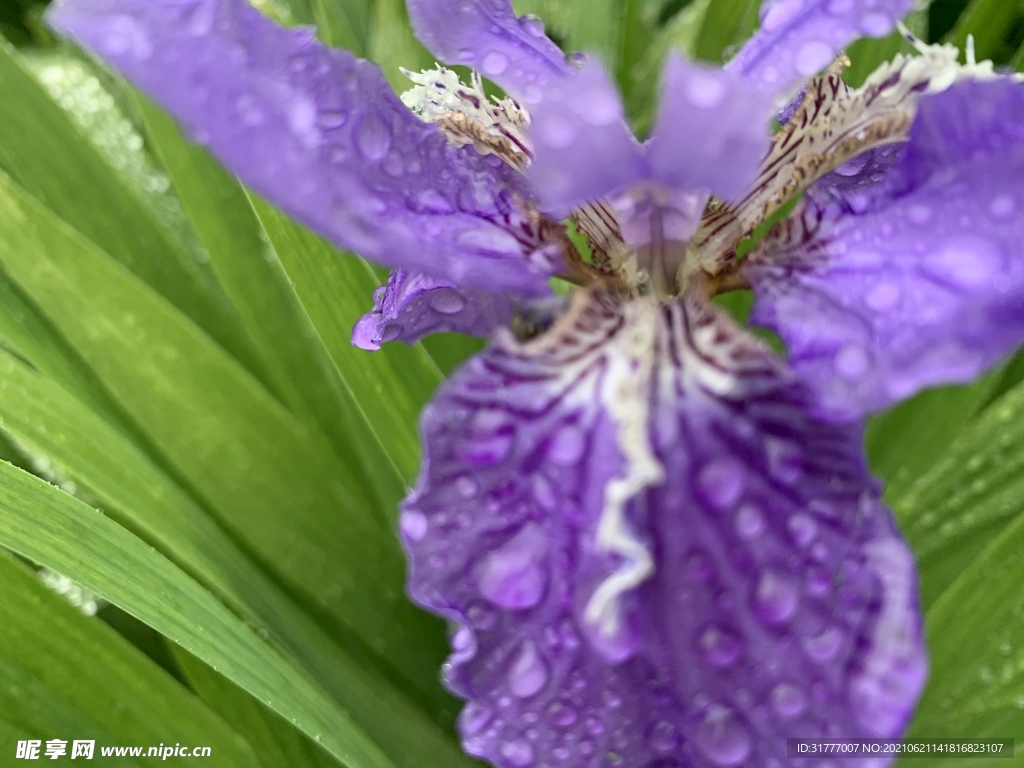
x=275, y=484
x=390, y=386
x=393, y=44
x=45, y=153
x=905, y=441
x=297, y=363
x=344, y=23
x=968, y=497
x=109, y=468
x=990, y=22
x=53, y=529
x=118, y=698
x=273, y=739
x=726, y=24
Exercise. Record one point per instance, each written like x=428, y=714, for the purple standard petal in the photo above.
x=487, y=36
x=799, y=37
x=319, y=133
x=583, y=148
x=412, y=306
x=655, y=556
x=711, y=131
x=918, y=280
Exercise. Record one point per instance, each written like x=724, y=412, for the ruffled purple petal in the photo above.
x=881, y=290
x=711, y=132
x=412, y=306
x=654, y=554
x=319, y=133
x=487, y=36
x=798, y=38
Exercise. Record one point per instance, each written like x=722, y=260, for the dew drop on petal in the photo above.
x=775, y=598
x=494, y=63
x=719, y=646
x=839, y=7
x=875, y=24
x=823, y=647
x=722, y=739
x=447, y=302
x=802, y=528
x=969, y=261
x=720, y=482
x=567, y=446
x=518, y=753
x=812, y=56
x=749, y=522
x=373, y=137
x=562, y=715
x=1002, y=206
x=788, y=701
x=663, y=737
x=775, y=14
x=528, y=674
x=513, y=576
x=533, y=25
x=785, y=460
x=466, y=486
x=413, y=525
x=704, y=90
x=882, y=297
x=474, y=718
x=851, y=362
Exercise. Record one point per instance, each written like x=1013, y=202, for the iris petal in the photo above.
x=749, y=583
x=487, y=36
x=319, y=133
x=412, y=306
x=882, y=289
x=800, y=37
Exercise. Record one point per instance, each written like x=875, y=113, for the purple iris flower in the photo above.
x=657, y=541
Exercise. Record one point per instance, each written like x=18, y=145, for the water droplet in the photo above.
x=663, y=737
x=968, y=261
x=722, y=739
x=513, y=576
x=775, y=14
x=882, y=297
x=466, y=486
x=719, y=646
x=812, y=56
x=562, y=715
x=775, y=598
x=533, y=25
x=123, y=34
x=802, y=528
x=528, y=674
x=1002, y=206
x=446, y=301
x=519, y=753
x=373, y=137
x=785, y=460
x=839, y=7
x=823, y=647
x=462, y=639
x=489, y=238
x=413, y=525
x=567, y=446
x=494, y=63
x=474, y=718
x=720, y=482
x=875, y=24
x=851, y=362
x=704, y=90
x=749, y=522
x=302, y=117
x=788, y=701
x=333, y=119
x=249, y=111
x=555, y=132
x=919, y=213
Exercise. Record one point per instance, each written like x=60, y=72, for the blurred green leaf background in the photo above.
x=187, y=433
